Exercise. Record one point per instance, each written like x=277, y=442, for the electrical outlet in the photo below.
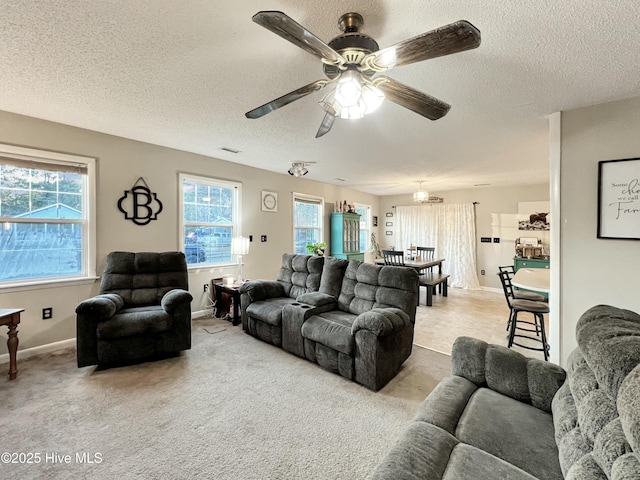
x=47, y=313
x=485, y=239
x=496, y=240
x=251, y=238
x=206, y=287
x=263, y=238
x=481, y=272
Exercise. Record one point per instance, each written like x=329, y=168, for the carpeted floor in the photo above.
x=232, y=407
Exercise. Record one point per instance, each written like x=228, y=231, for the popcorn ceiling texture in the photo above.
x=182, y=74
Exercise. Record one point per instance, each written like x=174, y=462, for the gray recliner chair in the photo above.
x=143, y=310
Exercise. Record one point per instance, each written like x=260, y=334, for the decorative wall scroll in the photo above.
x=619, y=199
x=140, y=204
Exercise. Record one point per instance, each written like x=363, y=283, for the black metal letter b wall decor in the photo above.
x=140, y=204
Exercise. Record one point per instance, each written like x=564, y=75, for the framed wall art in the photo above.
x=619, y=199
x=269, y=201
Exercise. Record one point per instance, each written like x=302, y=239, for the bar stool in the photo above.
x=514, y=325
x=521, y=294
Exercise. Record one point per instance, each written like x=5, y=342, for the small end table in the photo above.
x=11, y=318
x=235, y=295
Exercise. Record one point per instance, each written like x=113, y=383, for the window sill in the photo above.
x=211, y=266
x=53, y=283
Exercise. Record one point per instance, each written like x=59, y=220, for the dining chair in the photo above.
x=425, y=254
x=514, y=325
x=393, y=257
x=521, y=294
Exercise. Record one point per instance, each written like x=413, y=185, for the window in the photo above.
x=365, y=225
x=210, y=218
x=307, y=221
x=47, y=216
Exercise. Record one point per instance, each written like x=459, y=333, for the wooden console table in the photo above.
x=11, y=318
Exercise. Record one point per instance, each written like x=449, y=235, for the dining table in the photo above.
x=417, y=264
x=536, y=279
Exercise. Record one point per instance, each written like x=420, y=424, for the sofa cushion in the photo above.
x=270, y=310
x=135, y=321
x=421, y=453
x=332, y=274
x=332, y=329
x=300, y=273
x=594, y=431
x=609, y=339
x=518, y=433
x=143, y=278
x=470, y=463
x=445, y=404
x=366, y=286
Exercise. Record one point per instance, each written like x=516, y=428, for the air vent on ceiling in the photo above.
x=231, y=150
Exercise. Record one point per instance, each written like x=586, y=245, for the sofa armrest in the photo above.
x=318, y=299
x=174, y=299
x=257, y=290
x=381, y=321
x=506, y=371
x=100, y=307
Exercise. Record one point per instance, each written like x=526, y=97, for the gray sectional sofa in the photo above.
x=349, y=317
x=503, y=416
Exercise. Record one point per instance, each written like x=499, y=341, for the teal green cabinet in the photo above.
x=521, y=262
x=345, y=236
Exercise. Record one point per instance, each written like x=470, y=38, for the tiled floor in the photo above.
x=475, y=313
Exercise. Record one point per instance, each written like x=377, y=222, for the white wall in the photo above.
x=120, y=162
x=594, y=271
x=496, y=217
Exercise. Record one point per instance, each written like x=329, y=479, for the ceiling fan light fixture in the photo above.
x=372, y=97
x=298, y=169
x=339, y=103
x=349, y=88
x=421, y=196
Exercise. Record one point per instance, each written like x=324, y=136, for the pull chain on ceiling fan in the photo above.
x=351, y=60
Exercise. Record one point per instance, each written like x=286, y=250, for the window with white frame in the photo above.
x=307, y=221
x=210, y=210
x=365, y=225
x=47, y=216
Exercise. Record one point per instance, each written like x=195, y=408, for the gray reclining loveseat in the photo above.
x=503, y=416
x=349, y=317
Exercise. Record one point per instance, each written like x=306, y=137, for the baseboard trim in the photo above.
x=492, y=289
x=39, y=350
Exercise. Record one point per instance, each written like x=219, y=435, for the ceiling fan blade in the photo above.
x=410, y=98
x=286, y=99
x=453, y=38
x=287, y=28
x=325, y=126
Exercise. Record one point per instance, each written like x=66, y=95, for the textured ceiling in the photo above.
x=182, y=74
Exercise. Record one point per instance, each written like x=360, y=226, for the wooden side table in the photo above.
x=11, y=318
x=235, y=295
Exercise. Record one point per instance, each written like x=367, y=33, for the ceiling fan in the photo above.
x=352, y=60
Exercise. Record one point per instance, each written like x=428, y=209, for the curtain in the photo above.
x=451, y=229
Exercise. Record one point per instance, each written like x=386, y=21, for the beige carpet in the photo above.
x=232, y=407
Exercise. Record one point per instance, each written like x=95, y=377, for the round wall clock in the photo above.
x=269, y=201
